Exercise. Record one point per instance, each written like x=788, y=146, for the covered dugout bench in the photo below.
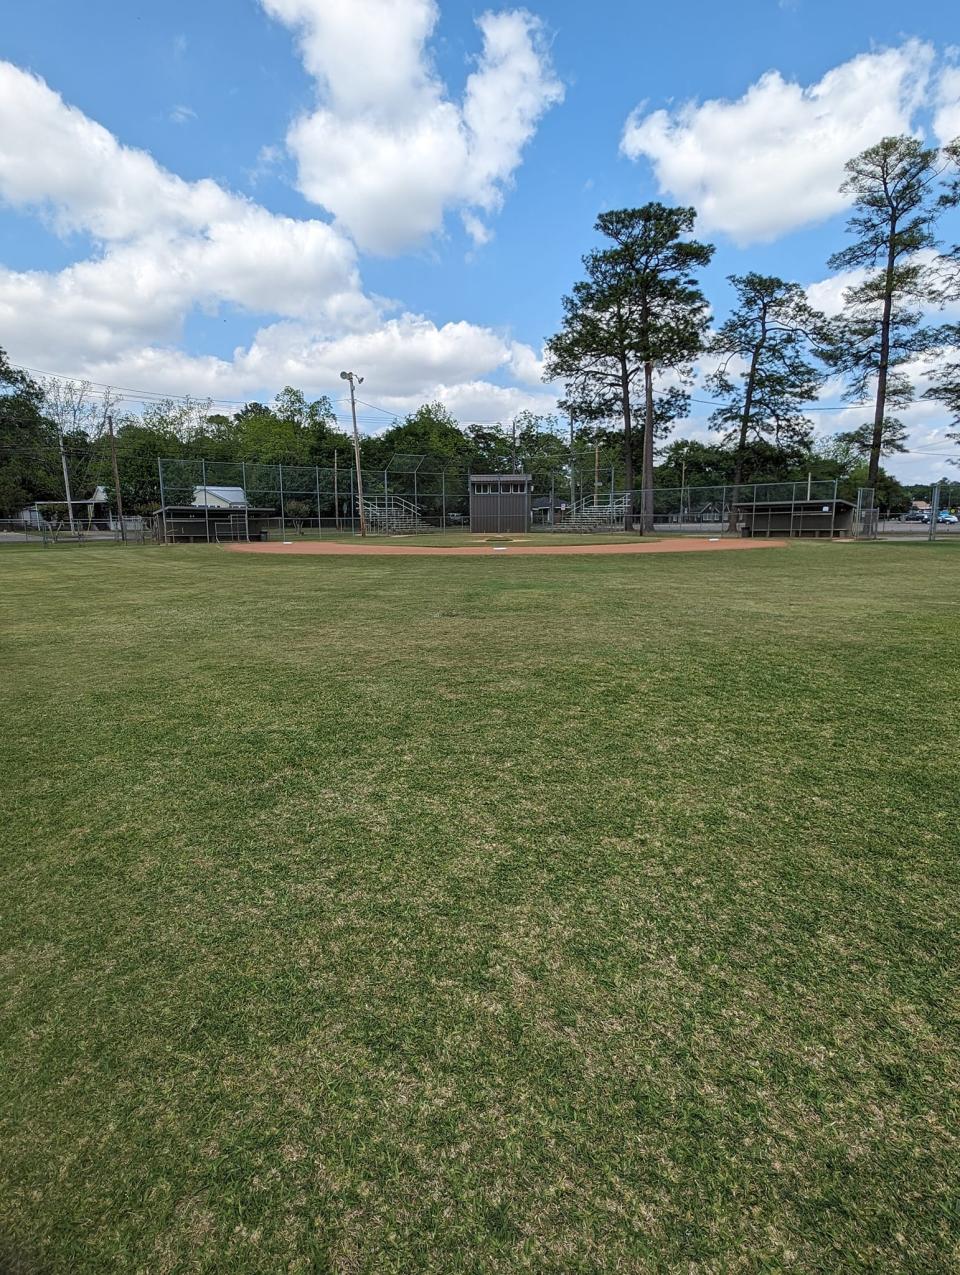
x=500, y=502
x=813, y=518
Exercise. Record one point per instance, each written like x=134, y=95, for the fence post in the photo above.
x=934, y=512
x=833, y=516
x=443, y=501
x=246, y=499
x=283, y=520
x=163, y=500
x=316, y=478
x=206, y=499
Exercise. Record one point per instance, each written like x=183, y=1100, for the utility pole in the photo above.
x=66, y=478
x=352, y=377
x=573, y=477
x=336, y=491
x=116, y=476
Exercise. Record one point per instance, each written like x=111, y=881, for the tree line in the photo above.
x=637, y=323
x=632, y=332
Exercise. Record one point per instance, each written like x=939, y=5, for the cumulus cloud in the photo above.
x=386, y=150
x=165, y=247
x=946, y=122
x=828, y=295
x=772, y=160
x=165, y=241
x=415, y=361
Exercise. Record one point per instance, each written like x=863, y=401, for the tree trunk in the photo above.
x=648, y=440
x=627, y=442
x=744, y=431
x=880, y=410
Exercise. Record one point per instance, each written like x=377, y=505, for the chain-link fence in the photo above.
x=933, y=516
x=218, y=501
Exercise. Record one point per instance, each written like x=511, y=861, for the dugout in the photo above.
x=215, y=514
x=500, y=502
x=807, y=518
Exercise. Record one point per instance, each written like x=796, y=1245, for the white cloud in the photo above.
x=772, y=161
x=166, y=247
x=413, y=361
x=182, y=114
x=166, y=243
x=386, y=151
x=828, y=294
x=946, y=123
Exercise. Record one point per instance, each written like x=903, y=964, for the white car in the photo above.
x=946, y=516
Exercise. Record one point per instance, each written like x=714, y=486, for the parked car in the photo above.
x=916, y=515
x=946, y=516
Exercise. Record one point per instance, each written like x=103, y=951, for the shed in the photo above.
x=808, y=518
x=500, y=502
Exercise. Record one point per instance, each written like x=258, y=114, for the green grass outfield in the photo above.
x=483, y=915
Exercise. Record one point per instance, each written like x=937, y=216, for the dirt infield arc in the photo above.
x=355, y=547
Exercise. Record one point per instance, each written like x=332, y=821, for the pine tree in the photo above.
x=894, y=185
x=638, y=314
x=771, y=335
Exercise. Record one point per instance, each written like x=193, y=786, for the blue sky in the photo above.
x=350, y=196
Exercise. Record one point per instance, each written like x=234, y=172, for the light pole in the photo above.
x=352, y=377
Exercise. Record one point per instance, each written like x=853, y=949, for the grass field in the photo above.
x=483, y=915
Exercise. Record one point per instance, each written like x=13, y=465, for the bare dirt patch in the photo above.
x=361, y=547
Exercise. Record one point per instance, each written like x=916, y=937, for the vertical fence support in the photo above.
x=934, y=512
x=443, y=501
x=283, y=520
x=316, y=479
x=353, y=501
x=163, y=501
x=246, y=499
x=833, y=513
x=206, y=499
x=336, y=493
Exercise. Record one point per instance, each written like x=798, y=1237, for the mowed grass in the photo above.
x=483, y=915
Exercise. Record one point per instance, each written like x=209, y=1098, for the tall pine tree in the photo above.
x=768, y=340
x=639, y=313
x=894, y=186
